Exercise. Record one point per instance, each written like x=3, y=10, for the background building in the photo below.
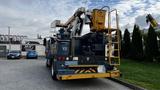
x=20, y=42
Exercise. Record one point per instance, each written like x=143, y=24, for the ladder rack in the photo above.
x=113, y=46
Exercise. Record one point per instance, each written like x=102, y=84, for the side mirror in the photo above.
x=44, y=42
x=52, y=40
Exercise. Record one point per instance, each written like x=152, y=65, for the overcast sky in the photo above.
x=32, y=17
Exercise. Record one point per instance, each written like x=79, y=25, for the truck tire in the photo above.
x=48, y=63
x=53, y=73
x=36, y=57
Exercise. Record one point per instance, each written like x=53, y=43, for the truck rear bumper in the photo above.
x=93, y=75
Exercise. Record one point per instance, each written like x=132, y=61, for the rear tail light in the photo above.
x=60, y=58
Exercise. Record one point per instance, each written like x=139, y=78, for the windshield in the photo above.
x=63, y=48
x=31, y=51
x=14, y=52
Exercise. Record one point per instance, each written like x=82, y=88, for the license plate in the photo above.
x=71, y=62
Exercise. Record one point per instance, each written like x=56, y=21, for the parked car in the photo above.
x=31, y=54
x=14, y=54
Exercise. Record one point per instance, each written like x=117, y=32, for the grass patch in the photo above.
x=144, y=74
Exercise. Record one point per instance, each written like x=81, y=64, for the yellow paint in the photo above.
x=154, y=23
x=113, y=59
x=93, y=70
x=87, y=71
x=83, y=66
x=77, y=71
x=95, y=75
x=82, y=71
x=98, y=20
x=90, y=70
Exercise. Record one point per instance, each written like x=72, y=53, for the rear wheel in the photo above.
x=36, y=57
x=53, y=73
x=48, y=64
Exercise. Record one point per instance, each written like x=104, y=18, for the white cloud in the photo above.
x=31, y=17
x=134, y=11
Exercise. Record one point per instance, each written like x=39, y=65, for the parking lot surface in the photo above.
x=32, y=74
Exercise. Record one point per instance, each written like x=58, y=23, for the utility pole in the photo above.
x=9, y=38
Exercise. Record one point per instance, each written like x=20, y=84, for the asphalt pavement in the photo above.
x=32, y=74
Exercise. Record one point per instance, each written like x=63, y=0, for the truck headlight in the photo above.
x=17, y=54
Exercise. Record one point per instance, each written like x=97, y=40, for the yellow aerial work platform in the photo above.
x=98, y=25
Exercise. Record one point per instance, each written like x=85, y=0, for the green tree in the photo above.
x=126, y=45
x=121, y=43
x=151, y=47
x=137, y=46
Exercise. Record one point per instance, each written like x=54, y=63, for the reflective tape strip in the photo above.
x=82, y=71
x=77, y=71
x=87, y=71
x=93, y=70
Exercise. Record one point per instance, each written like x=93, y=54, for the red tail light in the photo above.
x=63, y=58
x=60, y=58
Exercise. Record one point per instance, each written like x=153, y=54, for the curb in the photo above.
x=134, y=87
